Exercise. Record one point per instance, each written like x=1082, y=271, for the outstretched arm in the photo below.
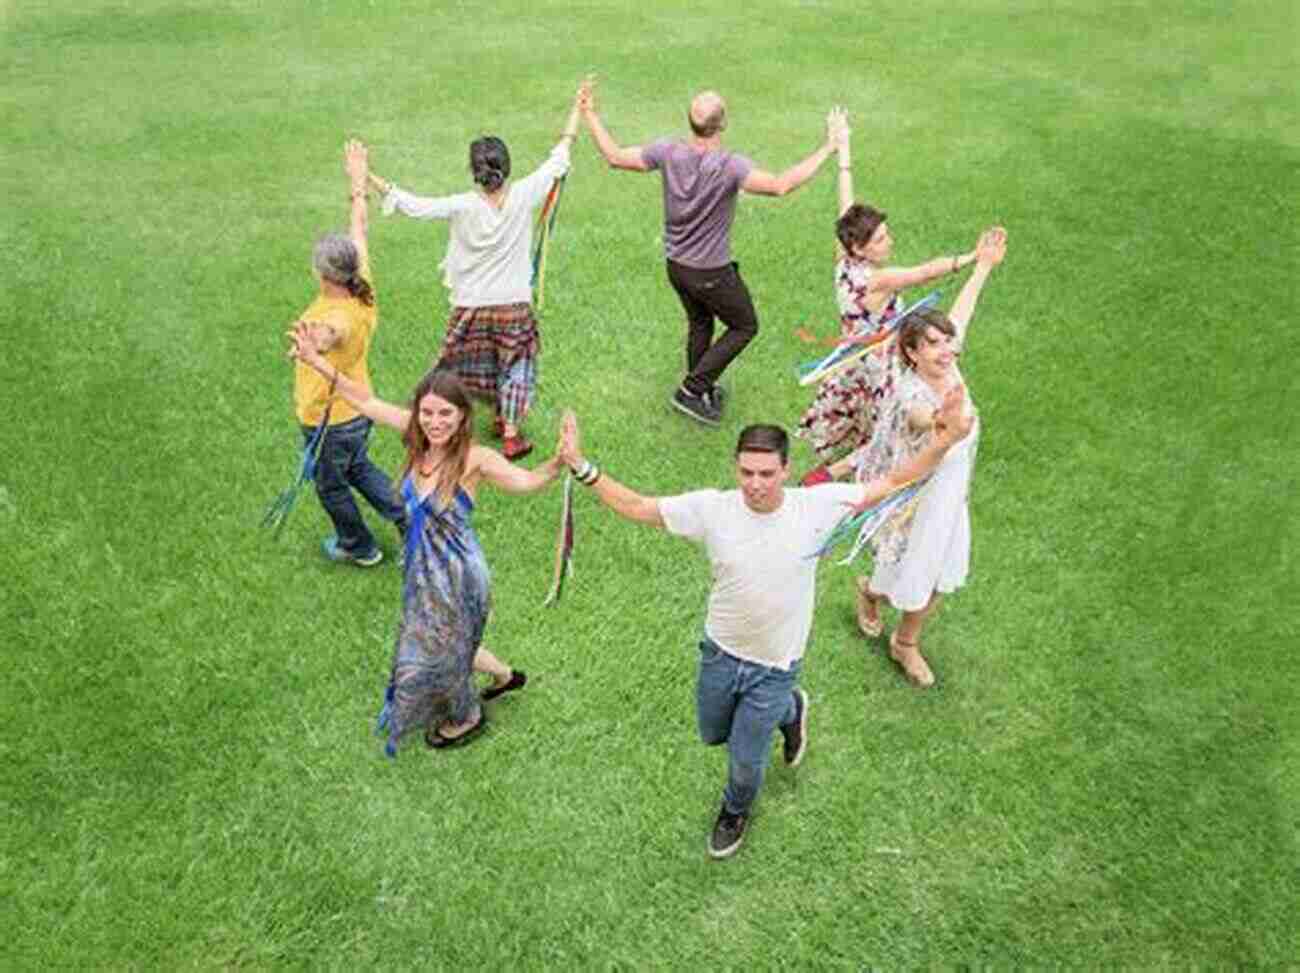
x=616, y=155
x=303, y=348
x=988, y=254
x=356, y=159
x=500, y=472
x=624, y=501
x=951, y=424
x=900, y=278
x=763, y=183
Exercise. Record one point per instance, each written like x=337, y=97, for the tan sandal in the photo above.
x=908, y=656
x=868, y=606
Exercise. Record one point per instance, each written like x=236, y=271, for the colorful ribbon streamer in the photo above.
x=563, y=545
x=857, y=346
x=544, y=227
x=278, y=512
x=866, y=523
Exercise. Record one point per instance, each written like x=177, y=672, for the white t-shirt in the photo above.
x=761, y=605
x=489, y=259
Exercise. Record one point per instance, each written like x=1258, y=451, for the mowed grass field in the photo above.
x=1108, y=773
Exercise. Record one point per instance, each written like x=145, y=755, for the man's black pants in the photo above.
x=707, y=294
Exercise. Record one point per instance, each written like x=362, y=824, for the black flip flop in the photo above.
x=517, y=680
x=436, y=741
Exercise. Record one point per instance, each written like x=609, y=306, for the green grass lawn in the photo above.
x=1109, y=771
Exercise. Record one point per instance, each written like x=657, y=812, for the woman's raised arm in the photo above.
x=500, y=472
x=988, y=254
x=356, y=159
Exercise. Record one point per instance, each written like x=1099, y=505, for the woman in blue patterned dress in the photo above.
x=446, y=590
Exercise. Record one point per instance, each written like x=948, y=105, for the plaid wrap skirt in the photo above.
x=493, y=351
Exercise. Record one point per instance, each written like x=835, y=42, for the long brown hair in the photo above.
x=444, y=385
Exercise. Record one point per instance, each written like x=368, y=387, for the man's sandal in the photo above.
x=908, y=656
x=870, y=623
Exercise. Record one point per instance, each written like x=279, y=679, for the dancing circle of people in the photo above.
x=891, y=423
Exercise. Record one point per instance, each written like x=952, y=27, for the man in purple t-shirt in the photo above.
x=700, y=182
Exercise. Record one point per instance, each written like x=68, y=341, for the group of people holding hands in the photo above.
x=899, y=416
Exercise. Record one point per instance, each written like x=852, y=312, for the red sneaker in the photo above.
x=818, y=474
x=516, y=447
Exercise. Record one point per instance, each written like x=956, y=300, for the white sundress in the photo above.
x=926, y=547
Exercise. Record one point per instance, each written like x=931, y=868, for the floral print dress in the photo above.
x=847, y=405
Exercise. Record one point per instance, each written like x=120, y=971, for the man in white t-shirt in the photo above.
x=759, y=540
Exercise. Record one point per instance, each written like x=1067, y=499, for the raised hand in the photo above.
x=992, y=246
x=356, y=160
x=569, y=449
x=837, y=127
x=586, y=98
x=951, y=420
x=303, y=347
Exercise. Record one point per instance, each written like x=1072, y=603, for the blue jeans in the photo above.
x=345, y=465
x=740, y=703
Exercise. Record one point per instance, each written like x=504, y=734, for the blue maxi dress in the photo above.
x=446, y=595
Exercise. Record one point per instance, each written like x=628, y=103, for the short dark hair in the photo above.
x=764, y=439
x=489, y=162
x=857, y=225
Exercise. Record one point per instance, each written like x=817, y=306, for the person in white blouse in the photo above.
x=492, y=341
x=761, y=541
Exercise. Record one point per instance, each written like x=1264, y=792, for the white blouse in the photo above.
x=488, y=261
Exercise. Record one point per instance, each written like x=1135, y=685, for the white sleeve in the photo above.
x=689, y=514
x=419, y=207
x=831, y=501
x=534, y=186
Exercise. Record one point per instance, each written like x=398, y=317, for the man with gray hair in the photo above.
x=700, y=183
x=760, y=541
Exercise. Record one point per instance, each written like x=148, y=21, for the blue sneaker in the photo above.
x=330, y=546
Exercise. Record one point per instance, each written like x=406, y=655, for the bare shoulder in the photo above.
x=481, y=457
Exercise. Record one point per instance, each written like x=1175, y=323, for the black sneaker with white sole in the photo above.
x=698, y=407
x=796, y=731
x=728, y=833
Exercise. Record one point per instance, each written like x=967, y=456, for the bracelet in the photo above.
x=588, y=473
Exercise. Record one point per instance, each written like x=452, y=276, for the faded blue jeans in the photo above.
x=740, y=703
x=344, y=466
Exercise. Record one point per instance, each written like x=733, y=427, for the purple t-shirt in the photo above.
x=699, y=201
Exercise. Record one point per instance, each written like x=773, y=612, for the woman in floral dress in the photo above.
x=923, y=551
x=446, y=591
x=868, y=292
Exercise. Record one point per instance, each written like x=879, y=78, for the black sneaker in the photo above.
x=728, y=833
x=796, y=731
x=698, y=407
x=716, y=397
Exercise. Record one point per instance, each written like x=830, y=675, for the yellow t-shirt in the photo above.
x=354, y=323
